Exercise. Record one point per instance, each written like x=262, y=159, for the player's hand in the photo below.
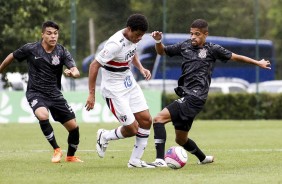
x=146, y=73
x=68, y=73
x=72, y=72
x=90, y=102
x=157, y=35
x=265, y=64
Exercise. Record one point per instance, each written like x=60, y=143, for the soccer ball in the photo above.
x=176, y=157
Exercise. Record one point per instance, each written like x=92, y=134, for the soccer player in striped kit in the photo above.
x=120, y=90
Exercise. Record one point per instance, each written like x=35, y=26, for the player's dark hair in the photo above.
x=200, y=24
x=50, y=23
x=137, y=22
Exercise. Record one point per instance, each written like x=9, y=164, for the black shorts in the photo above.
x=184, y=110
x=59, y=108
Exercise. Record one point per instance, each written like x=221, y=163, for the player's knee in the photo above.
x=41, y=117
x=42, y=114
x=146, y=123
x=158, y=119
x=180, y=141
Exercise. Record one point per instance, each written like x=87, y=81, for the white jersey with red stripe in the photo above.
x=115, y=58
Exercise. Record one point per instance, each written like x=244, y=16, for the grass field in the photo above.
x=245, y=152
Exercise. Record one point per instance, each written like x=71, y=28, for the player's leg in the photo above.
x=121, y=110
x=189, y=108
x=40, y=110
x=73, y=140
x=189, y=145
x=140, y=109
x=42, y=115
x=63, y=113
x=160, y=120
x=141, y=139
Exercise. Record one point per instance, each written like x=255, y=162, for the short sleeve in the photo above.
x=22, y=53
x=68, y=59
x=108, y=53
x=221, y=53
x=173, y=50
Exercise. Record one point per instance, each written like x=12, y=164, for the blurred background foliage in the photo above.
x=21, y=21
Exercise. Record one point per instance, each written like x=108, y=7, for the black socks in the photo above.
x=73, y=141
x=160, y=139
x=48, y=132
x=192, y=147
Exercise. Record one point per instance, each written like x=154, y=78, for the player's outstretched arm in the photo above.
x=8, y=60
x=262, y=63
x=157, y=35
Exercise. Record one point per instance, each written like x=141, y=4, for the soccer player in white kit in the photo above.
x=120, y=90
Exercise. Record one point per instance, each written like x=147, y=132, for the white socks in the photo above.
x=141, y=142
x=114, y=134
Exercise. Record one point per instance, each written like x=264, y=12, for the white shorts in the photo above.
x=125, y=106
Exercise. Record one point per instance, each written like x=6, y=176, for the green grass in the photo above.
x=245, y=152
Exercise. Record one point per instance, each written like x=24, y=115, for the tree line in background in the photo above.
x=21, y=21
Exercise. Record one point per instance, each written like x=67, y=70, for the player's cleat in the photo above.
x=139, y=164
x=73, y=159
x=207, y=160
x=101, y=144
x=57, y=155
x=159, y=163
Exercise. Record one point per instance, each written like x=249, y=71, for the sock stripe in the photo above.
x=116, y=133
x=142, y=135
x=50, y=136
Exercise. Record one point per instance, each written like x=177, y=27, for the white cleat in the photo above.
x=139, y=164
x=207, y=160
x=159, y=163
x=101, y=144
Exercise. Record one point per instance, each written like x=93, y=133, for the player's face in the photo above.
x=198, y=37
x=135, y=36
x=50, y=36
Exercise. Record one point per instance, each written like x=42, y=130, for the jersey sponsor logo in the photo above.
x=123, y=118
x=127, y=82
x=203, y=53
x=56, y=60
x=129, y=54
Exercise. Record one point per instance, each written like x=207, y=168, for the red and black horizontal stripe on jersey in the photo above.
x=114, y=66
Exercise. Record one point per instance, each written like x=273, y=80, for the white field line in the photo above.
x=214, y=150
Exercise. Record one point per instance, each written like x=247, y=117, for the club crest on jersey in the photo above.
x=123, y=118
x=56, y=60
x=34, y=102
x=203, y=53
x=127, y=82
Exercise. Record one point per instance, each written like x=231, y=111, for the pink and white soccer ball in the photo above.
x=176, y=157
